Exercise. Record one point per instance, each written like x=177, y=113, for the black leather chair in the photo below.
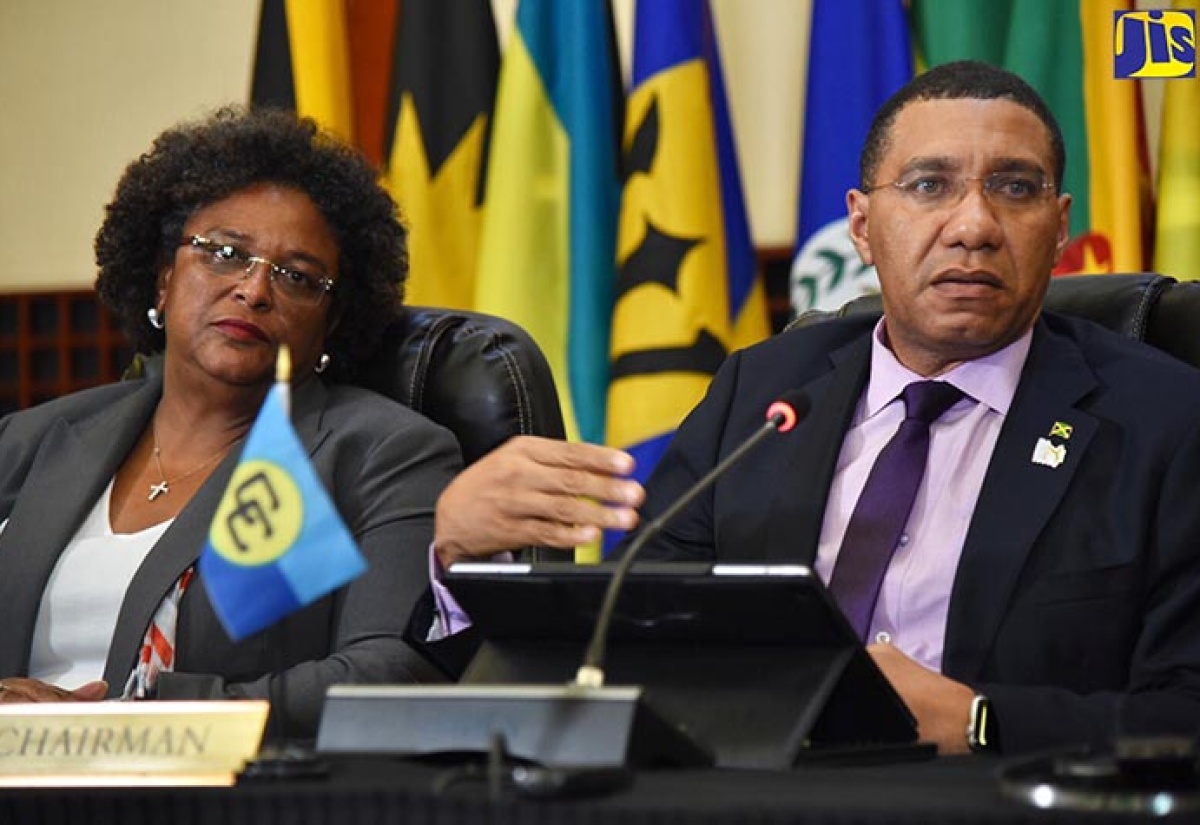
x=484, y=379
x=1144, y=306
x=480, y=376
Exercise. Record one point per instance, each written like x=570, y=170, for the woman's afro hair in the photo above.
x=196, y=164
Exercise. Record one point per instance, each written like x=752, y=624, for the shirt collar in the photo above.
x=991, y=380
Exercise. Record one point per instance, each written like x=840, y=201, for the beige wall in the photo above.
x=764, y=53
x=85, y=85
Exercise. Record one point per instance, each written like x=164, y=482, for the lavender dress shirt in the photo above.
x=913, y=603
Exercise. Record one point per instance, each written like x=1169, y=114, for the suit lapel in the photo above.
x=811, y=453
x=182, y=543
x=309, y=401
x=75, y=461
x=1018, y=496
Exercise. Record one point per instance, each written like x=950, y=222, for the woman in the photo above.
x=229, y=238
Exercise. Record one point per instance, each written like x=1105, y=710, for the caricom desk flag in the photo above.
x=276, y=542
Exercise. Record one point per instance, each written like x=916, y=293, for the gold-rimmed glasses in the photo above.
x=224, y=260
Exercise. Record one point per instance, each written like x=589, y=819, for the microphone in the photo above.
x=782, y=416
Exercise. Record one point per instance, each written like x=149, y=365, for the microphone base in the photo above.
x=757, y=706
x=558, y=725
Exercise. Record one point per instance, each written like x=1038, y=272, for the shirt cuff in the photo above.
x=449, y=618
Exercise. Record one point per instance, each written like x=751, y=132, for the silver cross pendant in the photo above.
x=160, y=489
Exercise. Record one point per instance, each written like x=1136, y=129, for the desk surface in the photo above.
x=377, y=791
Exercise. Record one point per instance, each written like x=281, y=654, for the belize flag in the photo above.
x=859, y=53
x=276, y=542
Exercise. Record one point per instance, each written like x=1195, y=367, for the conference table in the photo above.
x=376, y=790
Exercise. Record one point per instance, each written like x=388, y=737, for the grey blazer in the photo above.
x=384, y=466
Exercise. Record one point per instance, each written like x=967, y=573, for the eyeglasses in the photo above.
x=1013, y=191
x=224, y=260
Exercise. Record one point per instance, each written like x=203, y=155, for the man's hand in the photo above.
x=941, y=705
x=535, y=491
x=17, y=689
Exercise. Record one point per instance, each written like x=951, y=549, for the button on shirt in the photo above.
x=915, y=598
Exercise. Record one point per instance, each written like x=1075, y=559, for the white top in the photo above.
x=81, y=601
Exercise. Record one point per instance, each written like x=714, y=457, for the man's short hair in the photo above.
x=960, y=80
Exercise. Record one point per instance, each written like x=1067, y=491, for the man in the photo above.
x=1050, y=560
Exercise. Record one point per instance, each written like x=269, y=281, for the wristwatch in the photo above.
x=982, y=733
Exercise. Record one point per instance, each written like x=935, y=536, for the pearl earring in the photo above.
x=155, y=317
x=322, y=363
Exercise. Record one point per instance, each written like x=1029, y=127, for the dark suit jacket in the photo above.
x=383, y=464
x=1076, y=604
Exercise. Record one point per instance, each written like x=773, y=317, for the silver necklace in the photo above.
x=164, y=485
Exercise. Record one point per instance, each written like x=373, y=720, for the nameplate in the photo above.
x=128, y=743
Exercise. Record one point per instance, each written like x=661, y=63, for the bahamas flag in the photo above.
x=550, y=211
x=276, y=542
x=1065, y=49
x=302, y=62
x=859, y=53
x=688, y=292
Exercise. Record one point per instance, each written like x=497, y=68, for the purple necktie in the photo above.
x=883, y=507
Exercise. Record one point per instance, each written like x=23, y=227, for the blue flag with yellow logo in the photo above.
x=276, y=542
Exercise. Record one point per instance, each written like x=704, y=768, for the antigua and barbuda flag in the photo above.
x=446, y=63
x=276, y=542
x=302, y=62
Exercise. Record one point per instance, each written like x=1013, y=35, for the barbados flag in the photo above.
x=550, y=210
x=688, y=291
x=276, y=542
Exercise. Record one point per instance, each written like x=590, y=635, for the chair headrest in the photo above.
x=1144, y=306
x=480, y=376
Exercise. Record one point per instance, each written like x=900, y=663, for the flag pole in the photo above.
x=283, y=377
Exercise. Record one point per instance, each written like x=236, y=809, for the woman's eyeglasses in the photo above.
x=224, y=260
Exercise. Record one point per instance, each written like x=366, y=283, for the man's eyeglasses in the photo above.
x=224, y=260
x=943, y=190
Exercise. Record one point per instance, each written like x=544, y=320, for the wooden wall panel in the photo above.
x=53, y=343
